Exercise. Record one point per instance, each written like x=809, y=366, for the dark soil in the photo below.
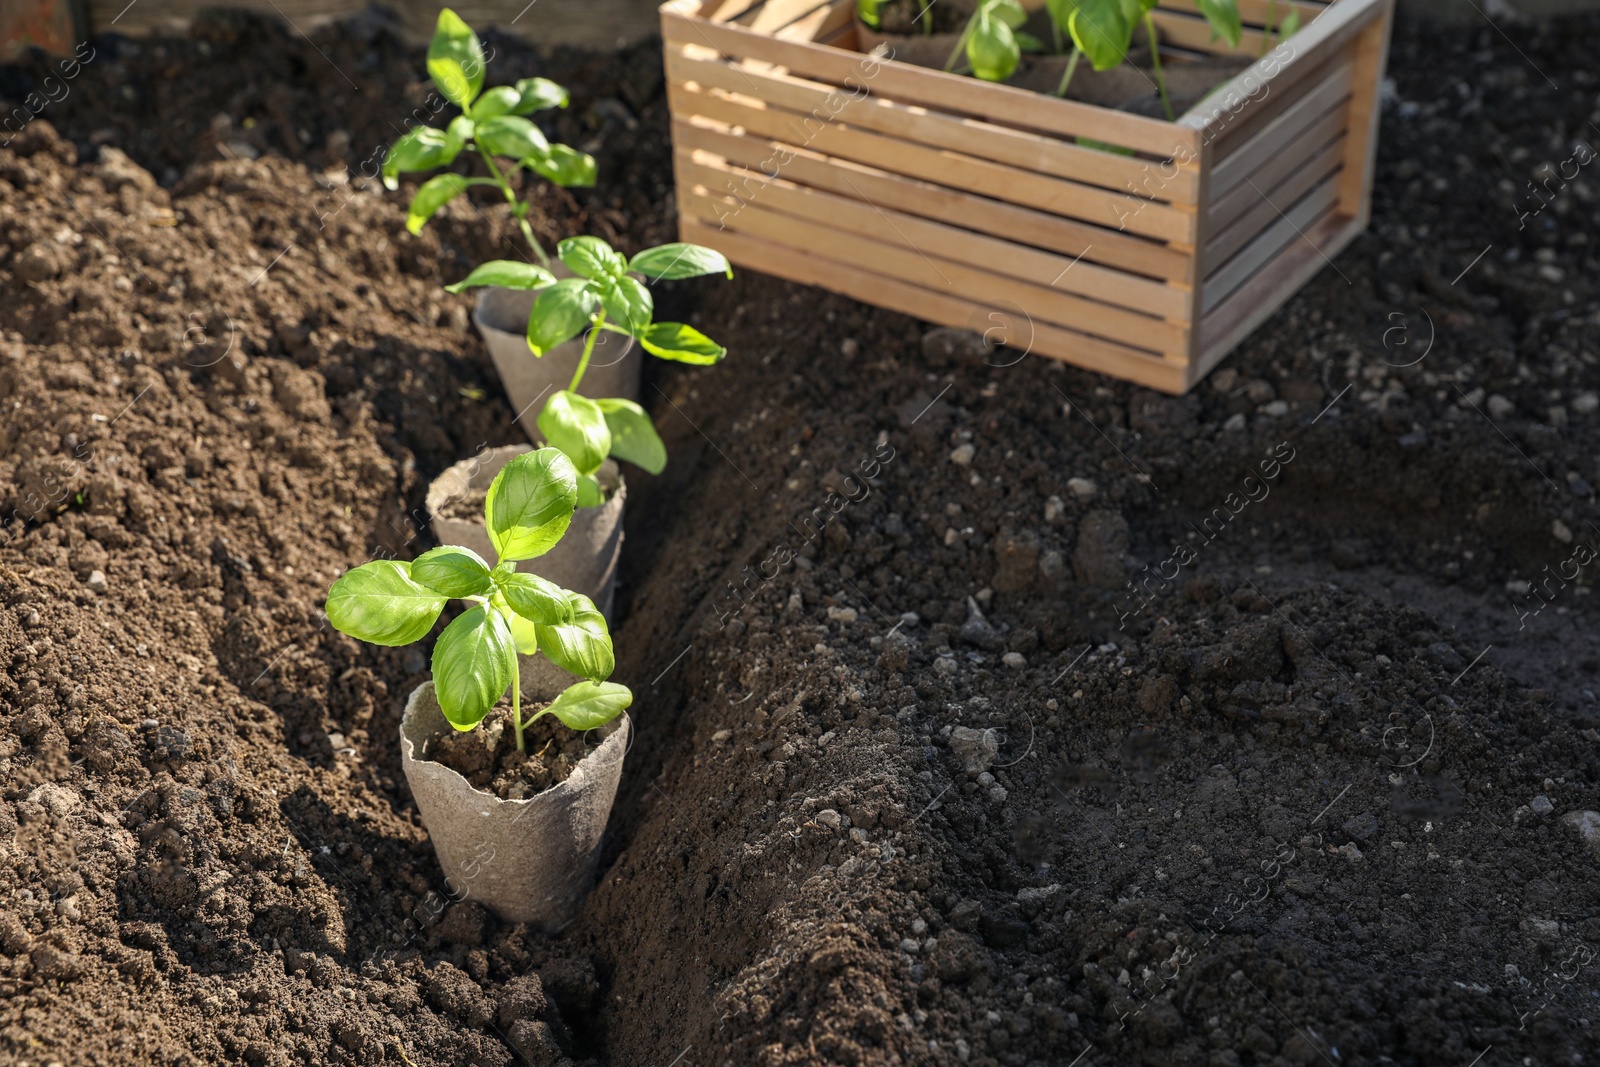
x=488, y=758
x=934, y=786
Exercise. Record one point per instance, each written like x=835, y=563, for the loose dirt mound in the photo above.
x=917, y=779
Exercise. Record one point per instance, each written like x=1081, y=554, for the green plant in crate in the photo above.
x=392, y=602
x=491, y=124
x=993, y=40
x=1103, y=31
x=605, y=295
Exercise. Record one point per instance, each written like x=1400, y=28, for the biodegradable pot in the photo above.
x=584, y=561
x=502, y=319
x=528, y=860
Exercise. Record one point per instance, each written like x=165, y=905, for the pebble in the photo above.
x=841, y=614
x=829, y=818
x=1260, y=391
x=1082, y=488
x=944, y=665
x=1586, y=404
x=850, y=348
x=720, y=736
x=1014, y=660
x=1561, y=532
x=976, y=749
x=1349, y=852
x=1054, y=508
x=1052, y=564
x=998, y=794
x=1500, y=407
x=1277, y=409
x=1541, y=805
x=97, y=581
x=1587, y=824
x=1234, y=424
x=962, y=455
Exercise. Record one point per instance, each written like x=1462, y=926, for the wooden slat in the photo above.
x=918, y=266
x=1256, y=301
x=725, y=11
x=1227, y=240
x=1184, y=31
x=1293, y=223
x=806, y=267
x=879, y=219
x=1254, y=12
x=1292, y=61
x=1097, y=206
x=1226, y=207
x=1361, y=155
x=1023, y=225
x=936, y=90
x=1238, y=160
x=984, y=140
x=774, y=15
x=820, y=25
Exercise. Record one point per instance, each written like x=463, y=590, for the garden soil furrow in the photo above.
x=917, y=776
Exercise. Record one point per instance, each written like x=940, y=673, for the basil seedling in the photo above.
x=491, y=124
x=392, y=602
x=993, y=40
x=605, y=296
x=1103, y=31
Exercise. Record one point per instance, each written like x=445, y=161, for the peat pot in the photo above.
x=528, y=860
x=502, y=319
x=584, y=561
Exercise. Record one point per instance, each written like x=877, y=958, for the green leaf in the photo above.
x=1224, y=18
x=419, y=148
x=867, y=12
x=1289, y=26
x=472, y=664
x=1061, y=12
x=683, y=344
x=583, y=646
x=590, y=493
x=592, y=258
x=992, y=49
x=576, y=425
x=1007, y=11
x=455, y=59
x=530, y=504
x=1027, y=42
x=633, y=435
x=381, y=603
x=512, y=137
x=680, y=260
x=501, y=100
x=524, y=634
x=453, y=571
x=434, y=194
x=628, y=303
x=589, y=705
x=507, y=274
x=460, y=131
x=560, y=313
x=537, y=94
x=565, y=166
x=536, y=599
x=1101, y=32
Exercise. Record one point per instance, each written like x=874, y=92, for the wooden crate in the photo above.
x=972, y=204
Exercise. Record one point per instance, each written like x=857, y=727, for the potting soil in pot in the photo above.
x=865, y=821
x=488, y=758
